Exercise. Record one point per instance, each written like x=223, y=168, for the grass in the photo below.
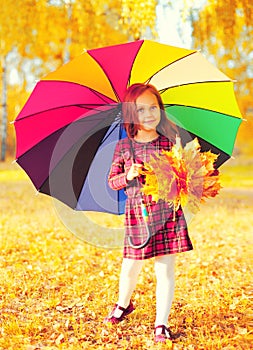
x=56, y=289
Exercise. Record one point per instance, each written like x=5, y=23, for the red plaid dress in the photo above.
x=168, y=228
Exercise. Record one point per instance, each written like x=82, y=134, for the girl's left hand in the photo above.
x=134, y=171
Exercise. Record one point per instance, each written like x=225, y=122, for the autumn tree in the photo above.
x=22, y=50
x=10, y=31
x=224, y=29
x=138, y=17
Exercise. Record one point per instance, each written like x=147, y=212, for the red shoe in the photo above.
x=163, y=336
x=126, y=311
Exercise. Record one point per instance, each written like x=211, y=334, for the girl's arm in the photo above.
x=117, y=176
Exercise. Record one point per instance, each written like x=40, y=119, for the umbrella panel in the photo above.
x=96, y=195
x=217, y=129
x=67, y=177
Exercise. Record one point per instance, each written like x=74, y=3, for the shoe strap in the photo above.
x=120, y=308
x=164, y=329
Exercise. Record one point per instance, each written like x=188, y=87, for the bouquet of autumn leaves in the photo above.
x=183, y=176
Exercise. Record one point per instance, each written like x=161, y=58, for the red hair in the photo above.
x=130, y=116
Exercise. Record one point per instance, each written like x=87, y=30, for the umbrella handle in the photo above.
x=140, y=246
x=144, y=214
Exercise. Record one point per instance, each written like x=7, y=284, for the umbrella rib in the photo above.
x=61, y=107
x=104, y=139
x=118, y=199
x=130, y=71
x=194, y=83
x=115, y=92
x=170, y=64
x=204, y=109
x=97, y=93
x=103, y=97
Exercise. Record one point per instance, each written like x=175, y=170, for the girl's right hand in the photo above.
x=134, y=171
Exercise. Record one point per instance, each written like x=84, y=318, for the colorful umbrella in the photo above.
x=67, y=130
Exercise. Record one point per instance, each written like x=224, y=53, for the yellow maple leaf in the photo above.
x=182, y=175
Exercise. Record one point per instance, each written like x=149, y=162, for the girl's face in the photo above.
x=148, y=111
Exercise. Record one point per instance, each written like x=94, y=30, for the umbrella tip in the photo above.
x=14, y=161
x=12, y=122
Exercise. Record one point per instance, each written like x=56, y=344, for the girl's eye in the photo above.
x=140, y=110
x=153, y=108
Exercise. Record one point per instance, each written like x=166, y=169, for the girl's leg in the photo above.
x=130, y=271
x=165, y=285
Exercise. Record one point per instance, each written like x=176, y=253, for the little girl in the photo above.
x=148, y=131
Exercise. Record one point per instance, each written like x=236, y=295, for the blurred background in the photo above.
x=37, y=36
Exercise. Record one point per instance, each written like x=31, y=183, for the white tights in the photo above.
x=165, y=284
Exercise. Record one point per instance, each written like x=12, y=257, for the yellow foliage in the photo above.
x=56, y=290
x=138, y=16
x=226, y=18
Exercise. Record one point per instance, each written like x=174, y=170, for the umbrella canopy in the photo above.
x=67, y=130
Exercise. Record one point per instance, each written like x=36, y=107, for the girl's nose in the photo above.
x=148, y=111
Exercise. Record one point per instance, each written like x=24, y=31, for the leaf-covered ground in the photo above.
x=55, y=289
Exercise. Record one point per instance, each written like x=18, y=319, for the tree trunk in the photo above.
x=4, y=109
x=66, y=53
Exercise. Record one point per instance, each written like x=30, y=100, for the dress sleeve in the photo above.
x=117, y=176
